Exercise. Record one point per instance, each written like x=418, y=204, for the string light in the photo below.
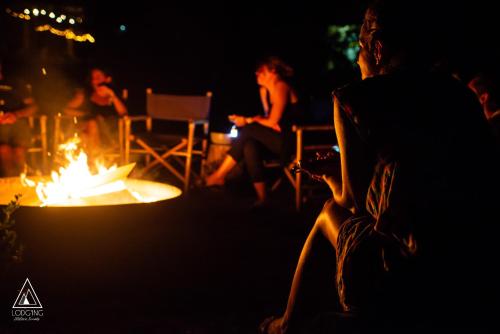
x=21, y=16
x=68, y=34
x=26, y=12
x=36, y=12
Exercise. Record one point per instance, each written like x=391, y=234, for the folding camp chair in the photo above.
x=296, y=180
x=166, y=148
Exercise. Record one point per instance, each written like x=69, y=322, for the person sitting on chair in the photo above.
x=272, y=131
x=411, y=219
x=98, y=106
x=16, y=104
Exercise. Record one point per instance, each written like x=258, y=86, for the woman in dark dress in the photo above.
x=411, y=218
x=98, y=108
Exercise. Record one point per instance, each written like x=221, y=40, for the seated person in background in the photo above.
x=16, y=104
x=271, y=131
x=98, y=106
x=487, y=93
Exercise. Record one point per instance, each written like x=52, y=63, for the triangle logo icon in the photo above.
x=27, y=297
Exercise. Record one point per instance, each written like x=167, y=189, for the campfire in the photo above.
x=75, y=184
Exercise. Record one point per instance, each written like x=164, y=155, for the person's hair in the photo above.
x=88, y=79
x=86, y=86
x=404, y=31
x=278, y=66
x=484, y=84
x=106, y=71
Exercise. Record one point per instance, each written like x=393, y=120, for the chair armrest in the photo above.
x=137, y=118
x=319, y=127
x=300, y=129
x=42, y=118
x=128, y=120
x=39, y=116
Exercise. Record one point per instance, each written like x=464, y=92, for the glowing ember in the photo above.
x=74, y=183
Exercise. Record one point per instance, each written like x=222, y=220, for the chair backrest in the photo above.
x=178, y=107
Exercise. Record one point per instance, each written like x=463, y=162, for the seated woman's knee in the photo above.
x=246, y=132
x=331, y=218
x=250, y=148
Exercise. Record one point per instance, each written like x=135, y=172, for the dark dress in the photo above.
x=421, y=253
x=106, y=118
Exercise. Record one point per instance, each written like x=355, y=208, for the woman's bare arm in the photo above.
x=349, y=191
x=119, y=106
x=77, y=100
x=73, y=106
x=264, y=101
x=280, y=96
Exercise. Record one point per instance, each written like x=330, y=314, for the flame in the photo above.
x=75, y=180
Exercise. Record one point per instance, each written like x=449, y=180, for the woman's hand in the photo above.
x=105, y=91
x=238, y=120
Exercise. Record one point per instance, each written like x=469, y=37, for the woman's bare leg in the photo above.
x=91, y=141
x=217, y=178
x=92, y=130
x=316, y=266
x=260, y=189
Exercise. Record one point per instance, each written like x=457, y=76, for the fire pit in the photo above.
x=76, y=184
x=132, y=191
x=98, y=233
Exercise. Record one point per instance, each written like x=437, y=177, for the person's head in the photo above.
x=98, y=77
x=271, y=69
x=393, y=36
x=485, y=90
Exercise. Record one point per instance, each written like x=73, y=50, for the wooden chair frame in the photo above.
x=185, y=148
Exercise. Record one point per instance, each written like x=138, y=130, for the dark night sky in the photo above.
x=215, y=45
x=189, y=47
